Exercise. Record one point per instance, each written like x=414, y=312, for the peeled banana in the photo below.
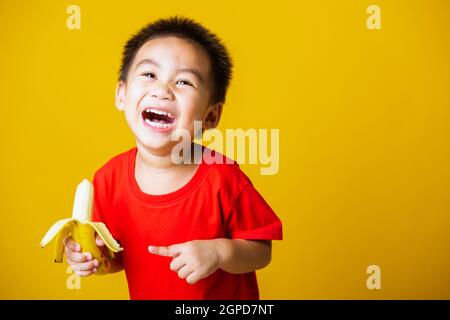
x=83, y=230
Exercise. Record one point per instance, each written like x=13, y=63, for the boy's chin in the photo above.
x=157, y=146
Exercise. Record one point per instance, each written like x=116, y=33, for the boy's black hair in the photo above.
x=188, y=29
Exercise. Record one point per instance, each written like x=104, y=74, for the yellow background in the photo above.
x=364, y=136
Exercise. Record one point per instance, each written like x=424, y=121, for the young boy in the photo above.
x=191, y=230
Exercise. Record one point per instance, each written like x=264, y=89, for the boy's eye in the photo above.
x=184, y=83
x=148, y=75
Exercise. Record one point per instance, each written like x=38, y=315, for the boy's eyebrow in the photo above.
x=193, y=71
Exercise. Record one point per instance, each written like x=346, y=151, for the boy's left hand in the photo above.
x=192, y=260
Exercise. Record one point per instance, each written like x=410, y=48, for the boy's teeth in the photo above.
x=160, y=112
x=157, y=124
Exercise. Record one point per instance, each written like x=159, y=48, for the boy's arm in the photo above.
x=197, y=259
x=242, y=256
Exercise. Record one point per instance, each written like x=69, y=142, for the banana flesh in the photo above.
x=83, y=230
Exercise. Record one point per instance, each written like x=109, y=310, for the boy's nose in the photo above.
x=161, y=91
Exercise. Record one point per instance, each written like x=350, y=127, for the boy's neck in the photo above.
x=153, y=161
x=162, y=162
x=158, y=174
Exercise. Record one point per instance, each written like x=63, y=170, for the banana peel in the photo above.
x=83, y=231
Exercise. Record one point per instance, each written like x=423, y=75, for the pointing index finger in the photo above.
x=162, y=251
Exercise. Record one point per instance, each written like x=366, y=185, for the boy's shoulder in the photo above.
x=224, y=170
x=116, y=164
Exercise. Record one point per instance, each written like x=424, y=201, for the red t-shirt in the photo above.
x=218, y=202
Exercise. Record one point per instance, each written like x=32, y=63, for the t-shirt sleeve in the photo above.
x=101, y=209
x=99, y=200
x=252, y=218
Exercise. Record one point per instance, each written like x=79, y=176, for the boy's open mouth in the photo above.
x=158, y=118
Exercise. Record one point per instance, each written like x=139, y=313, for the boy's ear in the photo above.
x=120, y=95
x=212, y=116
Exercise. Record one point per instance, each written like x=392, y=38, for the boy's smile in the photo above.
x=158, y=119
x=168, y=87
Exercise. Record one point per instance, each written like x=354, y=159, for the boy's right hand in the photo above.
x=81, y=262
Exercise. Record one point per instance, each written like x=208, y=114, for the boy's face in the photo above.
x=169, y=86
